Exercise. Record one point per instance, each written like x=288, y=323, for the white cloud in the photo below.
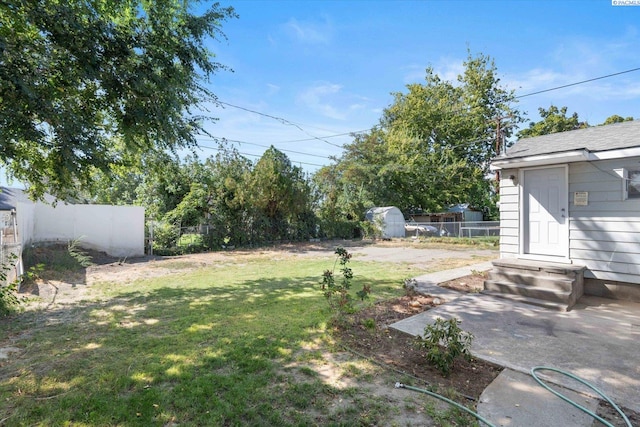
x=574, y=60
x=536, y=79
x=309, y=32
x=315, y=98
x=447, y=68
x=272, y=89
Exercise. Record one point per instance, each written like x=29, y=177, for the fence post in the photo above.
x=151, y=237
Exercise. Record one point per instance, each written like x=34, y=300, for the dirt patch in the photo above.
x=471, y=283
x=367, y=333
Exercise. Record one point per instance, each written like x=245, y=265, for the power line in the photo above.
x=329, y=136
x=323, y=139
x=281, y=120
x=578, y=83
x=255, y=155
x=263, y=146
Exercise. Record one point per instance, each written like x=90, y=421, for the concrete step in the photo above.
x=553, y=295
x=538, y=267
x=560, y=283
x=558, y=306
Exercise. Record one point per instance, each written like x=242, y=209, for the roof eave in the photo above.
x=582, y=155
x=542, y=159
x=619, y=153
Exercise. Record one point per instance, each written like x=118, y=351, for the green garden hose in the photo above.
x=566, y=399
x=533, y=374
x=449, y=401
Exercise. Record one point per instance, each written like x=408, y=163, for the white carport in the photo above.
x=390, y=220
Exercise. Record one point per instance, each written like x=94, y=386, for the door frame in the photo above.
x=564, y=257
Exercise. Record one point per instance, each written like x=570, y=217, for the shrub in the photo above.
x=9, y=300
x=337, y=294
x=444, y=342
x=165, y=235
x=82, y=258
x=410, y=287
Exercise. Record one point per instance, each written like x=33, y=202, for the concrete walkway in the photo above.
x=599, y=341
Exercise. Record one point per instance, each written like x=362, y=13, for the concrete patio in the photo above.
x=599, y=341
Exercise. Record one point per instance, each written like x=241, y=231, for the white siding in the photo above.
x=509, y=215
x=605, y=234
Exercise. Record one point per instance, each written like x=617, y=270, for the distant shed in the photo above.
x=390, y=219
x=457, y=213
x=468, y=213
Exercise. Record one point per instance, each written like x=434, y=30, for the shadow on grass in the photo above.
x=205, y=356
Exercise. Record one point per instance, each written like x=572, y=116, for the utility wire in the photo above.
x=217, y=139
x=329, y=136
x=253, y=155
x=323, y=139
x=281, y=120
x=578, y=83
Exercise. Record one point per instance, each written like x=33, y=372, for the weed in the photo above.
x=56, y=258
x=9, y=301
x=369, y=323
x=444, y=342
x=81, y=257
x=410, y=287
x=337, y=294
x=479, y=273
x=33, y=273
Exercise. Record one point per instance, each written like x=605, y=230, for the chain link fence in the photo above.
x=467, y=229
x=166, y=239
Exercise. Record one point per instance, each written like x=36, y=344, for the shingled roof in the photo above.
x=10, y=197
x=593, y=139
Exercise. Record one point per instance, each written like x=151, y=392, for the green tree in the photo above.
x=553, y=120
x=616, y=119
x=279, y=197
x=90, y=84
x=165, y=181
x=433, y=146
x=228, y=214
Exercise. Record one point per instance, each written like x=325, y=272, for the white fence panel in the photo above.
x=116, y=230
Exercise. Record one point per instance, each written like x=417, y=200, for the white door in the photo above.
x=545, y=200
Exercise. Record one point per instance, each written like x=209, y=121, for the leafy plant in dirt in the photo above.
x=82, y=258
x=410, y=287
x=444, y=342
x=337, y=293
x=9, y=300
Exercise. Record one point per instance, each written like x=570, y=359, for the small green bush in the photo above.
x=165, y=235
x=9, y=300
x=81, y=257
x=191, y=243
x=444, y=342
x=337, y=293
x=410, y=286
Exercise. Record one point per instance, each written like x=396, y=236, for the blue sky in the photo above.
x=330, y=67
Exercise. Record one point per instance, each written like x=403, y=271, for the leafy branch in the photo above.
x=337, y=293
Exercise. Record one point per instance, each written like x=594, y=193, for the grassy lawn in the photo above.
x=239, y=343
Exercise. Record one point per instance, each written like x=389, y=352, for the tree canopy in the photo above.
x=553, y=120
x=432, y=148
x=90, y=84
x=616, y=119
